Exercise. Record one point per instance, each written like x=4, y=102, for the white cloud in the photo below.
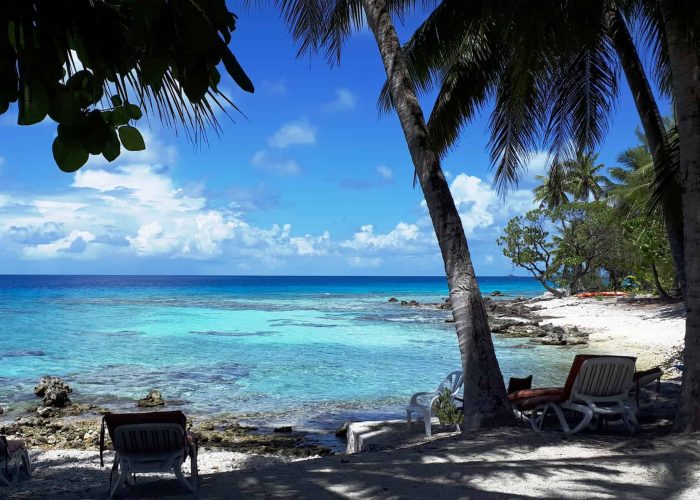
x=291, y=133
x=344, y=100
x=488, y=259
x=385, y=172
x=537, y=162
x=281, y=166
x=75, y=242
x=479, y=205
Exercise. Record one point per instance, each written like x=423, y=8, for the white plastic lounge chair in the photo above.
x=597, y=386
x=13, y=456
x=149, y=442
x=453, y=382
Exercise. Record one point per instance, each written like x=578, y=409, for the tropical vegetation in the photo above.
x=610, y=235
x=94, y=67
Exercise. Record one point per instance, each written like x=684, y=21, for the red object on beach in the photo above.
x=586, y=295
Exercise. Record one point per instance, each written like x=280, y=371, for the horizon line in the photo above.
x=260, y=275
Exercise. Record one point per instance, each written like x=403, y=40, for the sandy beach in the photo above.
x=653, y=332
x=507, y=463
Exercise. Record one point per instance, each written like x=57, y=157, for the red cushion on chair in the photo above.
x=530, y=403
x=534, y=393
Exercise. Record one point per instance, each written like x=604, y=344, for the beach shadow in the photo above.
x=511, y=463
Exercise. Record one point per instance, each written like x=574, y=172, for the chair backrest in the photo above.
x=453, y=382
x=148, y=439
x=148, y=432
x=600, y=378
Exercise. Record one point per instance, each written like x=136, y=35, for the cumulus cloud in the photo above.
x=275, y=164
x=480, y=206
x=138, y=210
x=344, y=100
x=292, y=133
x=537, y=162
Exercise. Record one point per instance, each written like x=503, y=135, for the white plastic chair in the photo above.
x=13, y=456
x=601, y=389
x=454, y=382
x=151, y=447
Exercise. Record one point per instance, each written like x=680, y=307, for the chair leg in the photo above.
x=428, y=424
x=26, y=462
x=587, y=417
x=123, y=474
x=3, y=480
x=177, y=469
x=194, y=471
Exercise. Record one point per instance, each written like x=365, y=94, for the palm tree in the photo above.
x=550, y=68
x=578, y=179
x=325, y=25
x=585, y=179
x=552, y=74
x=679, y=22
x=632, y=196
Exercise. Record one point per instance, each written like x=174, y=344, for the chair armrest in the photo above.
x=414, y=398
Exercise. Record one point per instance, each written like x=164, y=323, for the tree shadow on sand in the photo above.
x=511, y=463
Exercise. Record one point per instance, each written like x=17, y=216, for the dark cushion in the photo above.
x=651, y=371
x=12, y=445
x=516, y=384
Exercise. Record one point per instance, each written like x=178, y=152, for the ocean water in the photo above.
x=308, y=350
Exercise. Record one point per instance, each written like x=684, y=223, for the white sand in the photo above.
x=508, y=463
x=653, y=332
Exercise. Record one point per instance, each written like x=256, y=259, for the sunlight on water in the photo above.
x=290, y=347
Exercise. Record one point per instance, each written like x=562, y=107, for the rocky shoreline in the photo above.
x=515, y=318
x=59, y=423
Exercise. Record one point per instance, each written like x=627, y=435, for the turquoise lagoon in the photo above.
x=308, y=350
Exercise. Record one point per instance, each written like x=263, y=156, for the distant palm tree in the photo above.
x=325, y=25
x=579, y=180
x=585, y=179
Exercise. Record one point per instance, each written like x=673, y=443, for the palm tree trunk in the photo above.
x=660, y=289
x=685, y=70
x=654, y=131
x=485, y=401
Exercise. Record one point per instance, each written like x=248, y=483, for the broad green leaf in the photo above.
x=113, y=147
x=116, y=101
x=63, y=108
x=236, y=71
x=120, y=116
x=69, y=155
x=95, y=138
x=33, y=105
x=134, y=111
x=131, y=138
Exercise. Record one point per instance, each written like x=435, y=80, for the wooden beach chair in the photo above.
x=13, y=456
x=596, y=387
x=454, y=382
x=149, y=442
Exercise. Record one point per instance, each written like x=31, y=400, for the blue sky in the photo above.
x=311, y=181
